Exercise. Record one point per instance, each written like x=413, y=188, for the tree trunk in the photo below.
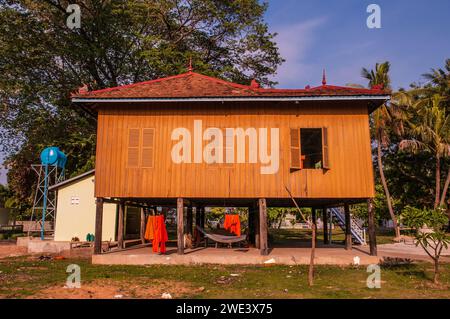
x=436, y=271
x=386, y=190
x=281, y=218
x=438, y=181
x=444, y=191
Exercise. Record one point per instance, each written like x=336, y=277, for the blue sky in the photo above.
x=332, y=34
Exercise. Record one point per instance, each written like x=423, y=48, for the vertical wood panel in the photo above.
x=350, y=175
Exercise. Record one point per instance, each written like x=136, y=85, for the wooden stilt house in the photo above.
x=195, y=141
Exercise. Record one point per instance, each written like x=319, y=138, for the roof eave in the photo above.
x=237, y=98
x=72, y=180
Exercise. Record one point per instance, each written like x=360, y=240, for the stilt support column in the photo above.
x=98, y=226
x=263, y=245
x=180, y=226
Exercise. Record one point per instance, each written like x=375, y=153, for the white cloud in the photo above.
x=294, y=42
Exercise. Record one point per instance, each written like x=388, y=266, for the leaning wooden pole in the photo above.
x=313, y=255
x=313, y=240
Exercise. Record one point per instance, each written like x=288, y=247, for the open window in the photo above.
x=309, y=148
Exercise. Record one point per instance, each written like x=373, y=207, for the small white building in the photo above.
x=75, y=210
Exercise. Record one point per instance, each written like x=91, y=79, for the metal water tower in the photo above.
x=50, y=172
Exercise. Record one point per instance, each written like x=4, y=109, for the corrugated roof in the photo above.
x=72, y=180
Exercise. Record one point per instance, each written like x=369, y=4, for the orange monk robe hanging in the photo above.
x=150, y=228
x=232, y=223
x=160, y=236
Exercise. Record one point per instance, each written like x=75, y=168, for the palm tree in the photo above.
x=430, y=131
x=382, y=118
x=440, y=81
x=440, y=84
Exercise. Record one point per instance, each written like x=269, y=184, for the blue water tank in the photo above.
x=53, y=156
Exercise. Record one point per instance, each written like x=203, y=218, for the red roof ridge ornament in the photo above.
x=83, y=90
x=378, y=87
x=324, y=78
x=254, y=84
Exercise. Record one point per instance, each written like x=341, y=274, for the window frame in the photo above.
x=140, y=148
x=324, y=146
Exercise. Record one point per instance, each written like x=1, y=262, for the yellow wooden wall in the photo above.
x=350, y=176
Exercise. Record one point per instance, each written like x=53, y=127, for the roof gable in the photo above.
x=195, y=85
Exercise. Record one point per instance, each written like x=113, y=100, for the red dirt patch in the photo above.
x=11, y=250
x=123, y=289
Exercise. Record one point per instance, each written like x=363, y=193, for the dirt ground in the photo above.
x=114, y=289
x=8, y=249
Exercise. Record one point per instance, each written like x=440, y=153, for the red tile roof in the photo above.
x=195, y=85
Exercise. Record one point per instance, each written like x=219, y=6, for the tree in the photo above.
x=411, y=176
x=439, y=82
x=380, y=206
x=42, y=62
x=4, y=195
x=275, y=215
x=434, y=239
x=382, y=118
x=429, y=127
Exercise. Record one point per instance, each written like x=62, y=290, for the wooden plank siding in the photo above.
x=350, y=174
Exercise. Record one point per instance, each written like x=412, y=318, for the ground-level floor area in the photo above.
x=190, y=225
x=324, y=255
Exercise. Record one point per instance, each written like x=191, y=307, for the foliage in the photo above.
x=275, y=215
x=419, y=218
x=439, y=82
x=382, y=119
x=42, y=62
x=4, y=195
x=379, y=203
x=433, y=239
x=411, y=176
x=429, y=131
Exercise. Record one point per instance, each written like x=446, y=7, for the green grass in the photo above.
x=23, y=277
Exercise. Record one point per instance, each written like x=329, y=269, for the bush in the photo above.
x=433, y=240
x=15, y=236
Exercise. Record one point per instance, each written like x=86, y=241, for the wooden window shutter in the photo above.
x=325, y=150
x=296, y=163
x=148, y=140
x=133, y=147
